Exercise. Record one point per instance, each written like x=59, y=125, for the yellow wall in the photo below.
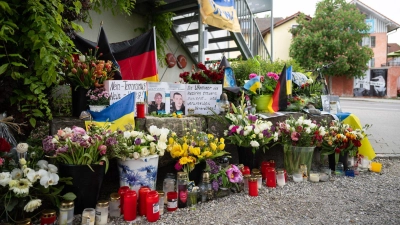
x=282, y=40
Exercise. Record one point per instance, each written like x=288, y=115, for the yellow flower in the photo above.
x=192, y=159
x=221, y=146
x=177, y=151
x=184, y=160
x=213, y=146
x=170, y=140
x=201, y=143
x=185, y=147
x=210, y=136
x=222, y=140
x=206, y=154
x=195, y=150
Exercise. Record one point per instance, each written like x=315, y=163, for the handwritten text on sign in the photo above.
x=120, y=88
x=203, y=97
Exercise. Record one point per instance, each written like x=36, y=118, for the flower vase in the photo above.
x=247, y=157
x=97, y=108
x=86, y=184
x=196, y=174
x=295, y=156
x=262, y=102
x=342, y=158
x=222, y=192
x=136, y=173
x=79, y=101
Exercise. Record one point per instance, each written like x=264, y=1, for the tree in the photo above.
x=332, y=36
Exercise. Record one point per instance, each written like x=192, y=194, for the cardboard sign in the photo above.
x=120, y=88
x=203, y=97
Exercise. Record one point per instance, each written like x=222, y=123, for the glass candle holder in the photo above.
x=349, y=173
x=246, y=178
x=264, y=165
x=297, y=177
x=161, y=195
x=66, y=212
x=141, y=110
x=271, y=177
x=152, y=207
x=253, y=189
x=130, y=205
x=314, y=177
x=193, y=195
x=121, y=192
x=376, y=167
x=339, y=170
x=280, y=178
x=102, y=212
x=88, y=216
x=172, y=202
x=259, y=180
x=142, y=200
x=115, y=204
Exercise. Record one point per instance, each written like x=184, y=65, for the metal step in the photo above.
x=196, y=31
x=218, y=51
x=210, y=41
x=186, y=20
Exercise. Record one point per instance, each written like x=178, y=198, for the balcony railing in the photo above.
x=390, y=64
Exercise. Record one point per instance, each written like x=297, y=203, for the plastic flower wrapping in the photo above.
x=135, y=144
x=301, y=132
x=77, y=147
x=27, y=184
x=341, y=138
x=223, y=177
x=205, y=75
x=247, y=130
x=192, y=148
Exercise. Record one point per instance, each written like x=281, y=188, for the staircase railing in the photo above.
x=251, y=35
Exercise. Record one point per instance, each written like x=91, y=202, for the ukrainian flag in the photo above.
x=289, y=80
x=119, y=114
x=366, y=148
x=253, y=84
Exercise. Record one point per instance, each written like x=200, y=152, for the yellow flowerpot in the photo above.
x=262, y=102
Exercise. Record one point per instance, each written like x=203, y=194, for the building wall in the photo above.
x=282, y=40
x=380, y=49
x=342, y=86
x=120, y=28
x=393, y=77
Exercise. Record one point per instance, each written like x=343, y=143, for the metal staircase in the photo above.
x=191, y=33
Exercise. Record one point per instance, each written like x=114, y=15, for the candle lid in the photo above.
x=247, y=175
x=255, y=170
x=67, y=204
x=182, y=176
x=23, y=221
x=115, y=196
x=257, y=175
x=161, y=193
x=47, y=213
x=252, y=179
x=102, y=203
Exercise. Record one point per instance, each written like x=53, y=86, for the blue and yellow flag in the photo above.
x=366, y=148
x=253, y=84
x=118, y=114
x=289, y=80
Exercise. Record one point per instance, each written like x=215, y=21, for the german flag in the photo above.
x=106, y=52
x=279, y=97
x=137, y=57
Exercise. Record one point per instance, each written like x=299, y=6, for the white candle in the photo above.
x=88, y=216
x=280, y=178
x=297, y=177
x=314, y=177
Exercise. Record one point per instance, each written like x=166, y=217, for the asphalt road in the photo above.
x=383, y=115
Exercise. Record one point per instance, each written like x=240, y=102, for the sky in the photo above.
x=388, y=8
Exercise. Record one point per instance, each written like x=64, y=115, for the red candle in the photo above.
x=271, y=177
x=286, y=176
x=130, y=205
x=140, y=108
x=172, y=198
x=253, y=189
x=272, y=163
x=152, y=207
x=122, y=190
x=245, y=170
x=142, y=200
x=49, y=217
x=264, y=164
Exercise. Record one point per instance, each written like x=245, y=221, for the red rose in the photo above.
x=4, y=145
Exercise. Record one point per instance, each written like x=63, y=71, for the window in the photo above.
x=372, y=41
x=372, y=62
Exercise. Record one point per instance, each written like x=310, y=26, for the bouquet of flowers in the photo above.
x=26, y=185
x=268, y=83
x=211, y=75
x=136, y=144
x=194, y=147
x=248, y=130
x=341, y=138
x=77, y=147
x=98, y=96
x=86, y=71
x=301, y=132
x=223, y=177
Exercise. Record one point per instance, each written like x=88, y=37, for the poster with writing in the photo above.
x=202, y=98
x=157, y=94
x=120, y=88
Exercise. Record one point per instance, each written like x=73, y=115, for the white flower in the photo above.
x=308, y=130
x=226, y=132
x=22, y=161
x=153, y=130
x=144, y=152
x=276, y=136
x=21, y=187
x=54, y=141
x=52, y=168
x=127, y=134
x=161, y=152
x=150, y=138
x=49, y=179
x=32, y=176
x=42, y=173
x=5, y=177
x=260, y=136
x=82, y=58
x=33, y=205
x=161, y=145
x=322, y=131
x=42, y=164
x=136, y=155
x=16, y=174
x=22, y=147
x=164, y=134
x=256, y=130
x=254, y=144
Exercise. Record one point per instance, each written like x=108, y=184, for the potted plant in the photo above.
x=264, y=94
x=83, y=156
x=299, y=137
x=249, y=133
x=98, y=99
x=192, y=149
x=138, y=153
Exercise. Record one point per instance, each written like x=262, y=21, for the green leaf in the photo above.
x=69, y=196
x=3, y=68
x=32, y=121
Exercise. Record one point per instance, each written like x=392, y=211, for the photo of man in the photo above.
x=157, y=105
x=177, y=104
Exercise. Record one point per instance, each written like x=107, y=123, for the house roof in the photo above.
x=392, y=47
x=283, y=21
x=391, y=25
x=265, y=23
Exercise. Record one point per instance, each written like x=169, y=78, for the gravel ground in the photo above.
x=369, y=198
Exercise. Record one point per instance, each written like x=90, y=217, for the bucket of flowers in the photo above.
x=264, y=94
x=299, y=138
x=98, y=99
